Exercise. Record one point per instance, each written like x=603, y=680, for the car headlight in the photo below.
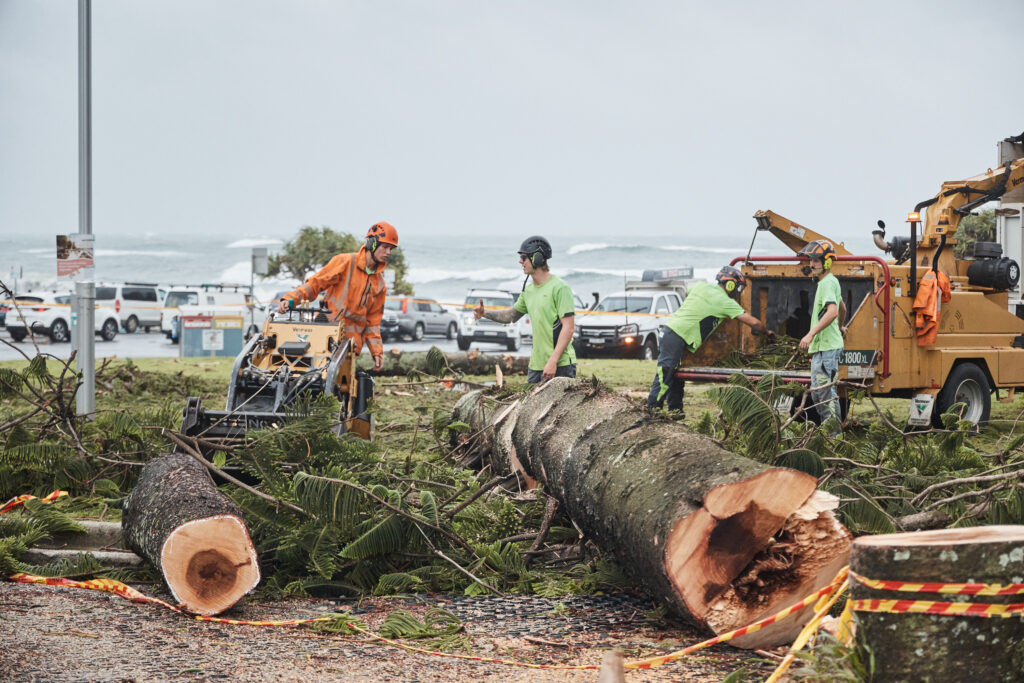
x=628, y=330
x=468, y=319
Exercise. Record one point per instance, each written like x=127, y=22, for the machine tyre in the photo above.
x=131, y=324
x=417, y=332
x=515, y=343
x=453, y=330
x=463, y=343
x=18, y=335
x=967, y=384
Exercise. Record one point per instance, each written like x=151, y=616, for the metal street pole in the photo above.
x=85, y=292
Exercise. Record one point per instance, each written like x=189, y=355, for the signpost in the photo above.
x=85, y=289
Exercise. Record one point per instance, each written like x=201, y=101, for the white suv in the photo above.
x=51, y=315
x=485, y=330
x=208, y=300
x=137, y=304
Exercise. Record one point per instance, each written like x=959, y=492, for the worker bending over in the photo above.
x=354, y=288
x=548, y=301
x=824, y=341
x=705, y=306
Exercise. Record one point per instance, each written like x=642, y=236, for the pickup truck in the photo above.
x=627, y=324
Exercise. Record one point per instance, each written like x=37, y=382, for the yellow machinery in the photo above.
x=978, y=348
x=297, y=354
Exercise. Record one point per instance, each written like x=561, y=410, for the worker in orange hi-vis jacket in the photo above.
x=353, y=286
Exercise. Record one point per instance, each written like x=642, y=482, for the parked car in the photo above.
x=8, y=305
x=418, y=317
x=216, y=299
x=51, y=315
x=627, y=324
x=485, y=330
x=137, y=304
x=389, y=325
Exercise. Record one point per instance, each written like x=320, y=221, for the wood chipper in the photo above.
x=298, y=353
x=979, y=345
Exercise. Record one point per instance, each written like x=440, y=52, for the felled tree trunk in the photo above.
x=722, y=539
x=936, y=647
x=398, y=362
x=177, y=520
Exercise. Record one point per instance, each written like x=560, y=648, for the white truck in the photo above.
x=627, y=324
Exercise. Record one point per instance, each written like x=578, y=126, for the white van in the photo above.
x=219, y=299
x=138, y=304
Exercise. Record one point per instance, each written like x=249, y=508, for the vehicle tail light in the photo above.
x=405, y=305
x=117, y=305
x=40, y=308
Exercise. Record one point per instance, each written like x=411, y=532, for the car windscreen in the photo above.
x=175, y=299
x=625, y=304
x=393, y=305
x=474, y=301
x=106, y=293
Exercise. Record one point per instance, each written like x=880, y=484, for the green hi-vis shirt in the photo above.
x=705, y=306
x=546, y=305
x=827, y=293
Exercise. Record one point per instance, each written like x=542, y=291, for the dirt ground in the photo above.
x=70, y=634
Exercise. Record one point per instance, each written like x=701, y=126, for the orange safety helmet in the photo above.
x=819, y=249
x=381, y=233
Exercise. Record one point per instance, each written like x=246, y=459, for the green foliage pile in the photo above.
x=313, y=247
x=782, y=354
x=887, y=480
x=979, y=227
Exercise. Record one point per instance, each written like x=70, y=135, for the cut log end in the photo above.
x=210, y=563
x=755, y=547
x=952, y=537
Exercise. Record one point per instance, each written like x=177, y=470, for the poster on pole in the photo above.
x=75, y=258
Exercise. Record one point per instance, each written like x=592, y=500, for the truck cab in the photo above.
x=627, y=324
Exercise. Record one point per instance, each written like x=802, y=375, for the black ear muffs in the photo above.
x=537, y=259
x=371, y=244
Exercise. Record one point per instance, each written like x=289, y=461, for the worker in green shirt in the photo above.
x=824, y=341
x=549, y=303
x=705, y=306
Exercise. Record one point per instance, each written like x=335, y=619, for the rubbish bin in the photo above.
x=210, y=335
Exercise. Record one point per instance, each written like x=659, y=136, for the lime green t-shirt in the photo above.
x=828, y=292
x=546, y=304
x=705, y=306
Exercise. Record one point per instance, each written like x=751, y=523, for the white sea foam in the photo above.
x=599, y=246
x=424, y=275
x=254, y=242
x=140, y=252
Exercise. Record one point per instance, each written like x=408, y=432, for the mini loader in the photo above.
x=298, y=353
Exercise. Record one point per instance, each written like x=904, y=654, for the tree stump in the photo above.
x=177, y=520
x=722, y=539
x=935, y=647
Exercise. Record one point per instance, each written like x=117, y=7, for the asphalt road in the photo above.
x=155, y=345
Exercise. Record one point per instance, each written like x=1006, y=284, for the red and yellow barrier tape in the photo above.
x=953, y=609
x=18, y=501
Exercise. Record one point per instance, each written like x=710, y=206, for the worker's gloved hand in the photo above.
x=759, y=329
x=478, y=312
x=378, y=362
x=282, y=306
x=771, y=336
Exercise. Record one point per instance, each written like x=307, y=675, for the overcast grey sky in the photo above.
x=587, y=118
